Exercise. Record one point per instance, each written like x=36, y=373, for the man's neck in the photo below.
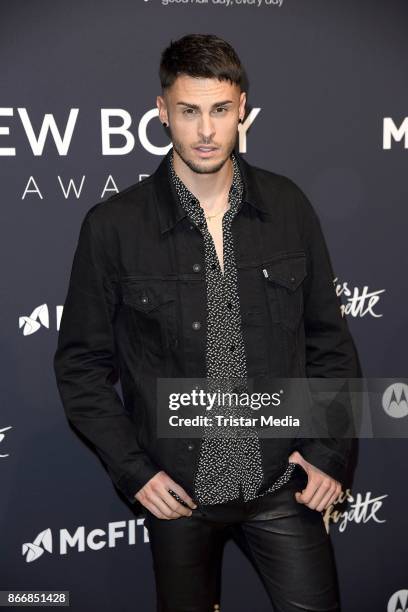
x=208, y=188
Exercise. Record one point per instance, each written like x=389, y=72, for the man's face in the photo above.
x=203, y=116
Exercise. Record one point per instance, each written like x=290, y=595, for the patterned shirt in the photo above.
x=229, y=465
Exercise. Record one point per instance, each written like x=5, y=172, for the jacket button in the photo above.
x=196, y=267
x=229, y=305
x=144, y=299
x=190, y=446
x=196, y=325
x=292, y=278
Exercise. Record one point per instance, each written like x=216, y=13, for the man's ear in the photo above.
x=242, y=103
x=161, y=105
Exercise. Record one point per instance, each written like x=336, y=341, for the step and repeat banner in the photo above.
x=327, y=106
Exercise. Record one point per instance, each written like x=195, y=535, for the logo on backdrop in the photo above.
x=361, y=510
x=32, y=323
x=2, y=438
x=39, y=318
x=80, y=541
x=116, y=135
x=394, y=400
x=393, y=133
x=115, y=122
x=358, y=303
x=398, y=601
x=43, y=542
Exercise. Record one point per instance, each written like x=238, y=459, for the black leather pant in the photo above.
x=287, y=542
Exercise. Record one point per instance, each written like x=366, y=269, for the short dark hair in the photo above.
x=200, y=55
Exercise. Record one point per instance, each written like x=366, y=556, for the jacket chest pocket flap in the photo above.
x=283, y=279
x=153, y=302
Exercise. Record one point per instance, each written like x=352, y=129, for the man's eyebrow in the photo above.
x=196, y=106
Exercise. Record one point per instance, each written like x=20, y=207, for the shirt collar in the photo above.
x=171, y=211
x=191, y=203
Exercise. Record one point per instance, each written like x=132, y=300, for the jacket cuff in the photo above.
x=319, y=455
x=130, y=484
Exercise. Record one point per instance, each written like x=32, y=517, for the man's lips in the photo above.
x=205, y=150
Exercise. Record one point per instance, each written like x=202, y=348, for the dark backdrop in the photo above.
x=323, y=77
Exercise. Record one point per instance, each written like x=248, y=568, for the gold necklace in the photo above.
x=209, y=217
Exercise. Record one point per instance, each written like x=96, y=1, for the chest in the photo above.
x=215, y=229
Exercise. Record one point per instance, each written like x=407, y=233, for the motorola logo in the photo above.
x=395, y=400
x=2, y=438
x=398, y=602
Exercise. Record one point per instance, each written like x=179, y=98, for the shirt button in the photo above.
x=196, y=325
x=213, y=266
x=190, y=446
x=196, y=267
x=232, y=347
x=229, y=305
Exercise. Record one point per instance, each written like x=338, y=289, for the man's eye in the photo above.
x=191, y=111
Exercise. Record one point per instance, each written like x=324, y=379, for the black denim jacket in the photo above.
x=136, y=292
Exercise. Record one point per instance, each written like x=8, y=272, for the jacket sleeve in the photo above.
x=86, y=368
x=330, y=349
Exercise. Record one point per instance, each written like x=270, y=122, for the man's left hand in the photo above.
x=321, y=489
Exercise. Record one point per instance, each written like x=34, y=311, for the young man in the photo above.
x=211, y=268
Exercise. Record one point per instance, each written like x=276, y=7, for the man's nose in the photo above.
x=206, y=128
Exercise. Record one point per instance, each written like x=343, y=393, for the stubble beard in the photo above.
x=205, y=167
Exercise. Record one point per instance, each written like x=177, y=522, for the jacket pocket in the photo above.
x=283, y=285
x=153, y=303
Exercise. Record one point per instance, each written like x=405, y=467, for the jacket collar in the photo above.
x=169, y=208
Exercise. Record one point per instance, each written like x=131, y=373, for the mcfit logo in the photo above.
x=398, y=602
x=395, y=400
x=33, y=550
x=80, y=540
x=32, y=323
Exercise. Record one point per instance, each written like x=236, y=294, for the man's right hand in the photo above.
x=156, y=498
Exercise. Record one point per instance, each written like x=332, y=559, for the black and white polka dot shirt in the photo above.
x=229, y=466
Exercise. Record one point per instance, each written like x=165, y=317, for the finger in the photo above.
x=180, y=492
x=321, y=492
x=158, y=495
x=176, y=504
x=308, y=492
x=166, y=511
x=335, y=497
x=326, y=498
x=153, y=509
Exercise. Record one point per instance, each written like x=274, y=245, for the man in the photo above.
x=210, y=268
